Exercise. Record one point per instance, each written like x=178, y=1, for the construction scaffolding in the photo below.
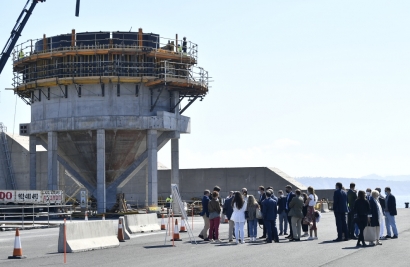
x=105, y=57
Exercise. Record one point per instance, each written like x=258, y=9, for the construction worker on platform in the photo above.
x=21, y=54
x=184, y=45
x=179, y=49
x=168, y=201
x=172, y=46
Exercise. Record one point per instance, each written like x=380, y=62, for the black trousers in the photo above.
x=350, y=224
x=341, y=225
x=361, y=223
x=290, y=225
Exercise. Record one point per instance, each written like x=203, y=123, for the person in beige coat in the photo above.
x=296, y=206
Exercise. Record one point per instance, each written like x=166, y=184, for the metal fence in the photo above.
x=34, y=211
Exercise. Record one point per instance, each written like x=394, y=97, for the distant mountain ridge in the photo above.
x=367, y=177
x=400, y=185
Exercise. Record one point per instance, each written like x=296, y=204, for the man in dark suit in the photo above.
x=273, y=194
x=351, y=198
x=340, y=209
x=283, y=218
x=205, y=215
x=269, y=211
x=262, y=197
x=287, y=209
x=390, y=211
x=227, y=207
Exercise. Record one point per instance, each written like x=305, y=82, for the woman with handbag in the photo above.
x=238, y=216
x=312, y=198
x=214, y=210
x=252, y=206
x=377, y=216
x=361, y=211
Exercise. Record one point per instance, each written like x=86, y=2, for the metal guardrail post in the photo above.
x=48, y=215
x=22, y=217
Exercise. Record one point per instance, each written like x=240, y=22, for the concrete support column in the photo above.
x=33, y=160
x=175, y=101
x=101, y=193
x=152, y=166
x=52, y=174
x=175, y=171
x=175, y=161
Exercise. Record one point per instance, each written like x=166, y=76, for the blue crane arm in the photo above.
x=16, y=32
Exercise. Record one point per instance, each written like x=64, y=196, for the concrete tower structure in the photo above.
x=104, y=103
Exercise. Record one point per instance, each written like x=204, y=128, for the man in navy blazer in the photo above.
x=269, y=211
x=340, y=209
x=283, y=218
x=262, y=197
x=288, y=200
x=205, y=215
x=390, y=211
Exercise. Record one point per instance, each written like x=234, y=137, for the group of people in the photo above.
x=364, y=209
x=171, y=46
x=295, y=209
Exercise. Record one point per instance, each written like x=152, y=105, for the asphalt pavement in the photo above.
x=149, y=249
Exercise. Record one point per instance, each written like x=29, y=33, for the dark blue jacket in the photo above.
x=374, y=220
x=391, y=205
x=340, y=201
x=228, y=207
x=274, y=198
x=281, y=204
x=269, y=209
x=205, y=201
x=288, y=200
x=262, y=197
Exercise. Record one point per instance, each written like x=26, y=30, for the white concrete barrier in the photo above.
x=87, y=235
x=324, y=208
x=137, y=223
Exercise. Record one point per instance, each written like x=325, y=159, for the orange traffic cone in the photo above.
x=163, y=223
x=176, y=232
x=183, y=229
x=103, y=217
x=86, y=216
x=18, y=251
x=120, y=231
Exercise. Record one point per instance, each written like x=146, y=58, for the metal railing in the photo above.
x=151, y=43
x=166, y=70
x=30, y=211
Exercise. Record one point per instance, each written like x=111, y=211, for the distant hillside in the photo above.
x=399, y=187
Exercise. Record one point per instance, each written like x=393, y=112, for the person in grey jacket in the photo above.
x=252, y=220
x=296, y=206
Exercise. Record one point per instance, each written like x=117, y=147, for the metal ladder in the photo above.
x=3, y=136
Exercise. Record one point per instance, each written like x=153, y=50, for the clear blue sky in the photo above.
x=315, y=88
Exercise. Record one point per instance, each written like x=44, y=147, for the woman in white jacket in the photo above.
x=238, y=216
